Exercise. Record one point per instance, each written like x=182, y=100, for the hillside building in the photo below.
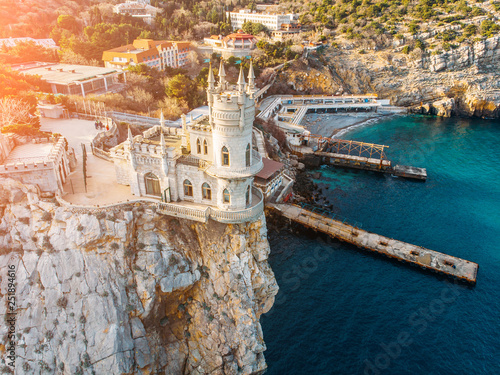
x=155, y=54
x=69, y=79
x=238, y=44
x=138, y=9
x=208, y=166
x=271, y=21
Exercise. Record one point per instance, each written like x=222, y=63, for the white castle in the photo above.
x=209, y=164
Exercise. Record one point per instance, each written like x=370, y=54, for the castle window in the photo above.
x=247, y=196
x=247, y=155
x=198, y=146
x=152, y=184
x=226, y=197
x=205, y=147
x=206, y=191
x=225, y=156
x=188, y=188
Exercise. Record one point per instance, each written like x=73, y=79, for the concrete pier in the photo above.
x=372, y=164
x=438, y=262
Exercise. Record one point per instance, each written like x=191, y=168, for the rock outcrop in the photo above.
x=444, y=108
x=470, y=75
x=126, y=290
x=483, y=53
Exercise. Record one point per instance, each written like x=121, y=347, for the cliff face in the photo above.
x=469, y=75
x=132, y=291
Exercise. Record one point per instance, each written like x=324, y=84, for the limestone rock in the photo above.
x=124, y=296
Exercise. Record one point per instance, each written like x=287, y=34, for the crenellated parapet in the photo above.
x=27, y=166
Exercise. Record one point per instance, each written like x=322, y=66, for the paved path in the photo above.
x=74, y=130
x=101, y=181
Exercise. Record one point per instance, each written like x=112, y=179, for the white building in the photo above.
x=271, y=21
x=208, y=166
x=238, y=44
x=138, y=9
x=70, y=79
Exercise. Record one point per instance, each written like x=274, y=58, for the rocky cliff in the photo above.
x=470, y=75
x=128, y=291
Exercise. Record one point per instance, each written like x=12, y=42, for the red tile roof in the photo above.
x=270, y=168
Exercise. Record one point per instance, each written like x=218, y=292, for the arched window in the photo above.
x=226, y=197
x=188, y=188
x=152, y=184
x=248, y=155
x=205, y=147
x=206, y=191
x=198, y=146
x=247, y=196
x=225, y=156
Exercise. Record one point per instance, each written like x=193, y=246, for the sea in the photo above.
x=342, y=310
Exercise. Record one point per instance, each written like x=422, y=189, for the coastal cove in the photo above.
x=341, y=310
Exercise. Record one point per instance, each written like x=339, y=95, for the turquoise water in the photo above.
x=341, y=310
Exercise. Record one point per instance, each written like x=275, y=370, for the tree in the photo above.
x=16, y=111
x=180, y=87
x=14, y=83
x=67, y=22
x=30, y=51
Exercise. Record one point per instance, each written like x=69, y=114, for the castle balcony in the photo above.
x=201, y=213
x=194, y=161
x=229, y=172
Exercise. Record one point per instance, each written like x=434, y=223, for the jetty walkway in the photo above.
x=432, y=260
x=354, y=154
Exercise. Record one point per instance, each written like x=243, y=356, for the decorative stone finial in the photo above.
x=222, y=75
x=251, y=77
x=241, y=81
x=211, y=79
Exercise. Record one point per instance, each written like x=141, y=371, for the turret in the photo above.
x=251, y=79
x=241, y=81
x=162, y=141
x=130, y=138
x=162, y=120
x=222, y=76
x=211, y=79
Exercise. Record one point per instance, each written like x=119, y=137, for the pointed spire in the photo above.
x=222, y=75
x=211, y=79
x=251, y=77
x=162, y=120
x=162, y=140
x=241, y=80
x=130, y=138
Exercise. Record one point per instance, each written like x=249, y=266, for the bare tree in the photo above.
x=14, y=111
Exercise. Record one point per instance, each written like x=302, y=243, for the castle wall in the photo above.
x=46, y=178
x=122, y=171
x=49, y=174
x=6, y=146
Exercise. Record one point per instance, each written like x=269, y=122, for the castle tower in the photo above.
x=232, y=111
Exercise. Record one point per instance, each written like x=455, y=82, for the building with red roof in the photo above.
x=153, y=53
x=238, y=44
